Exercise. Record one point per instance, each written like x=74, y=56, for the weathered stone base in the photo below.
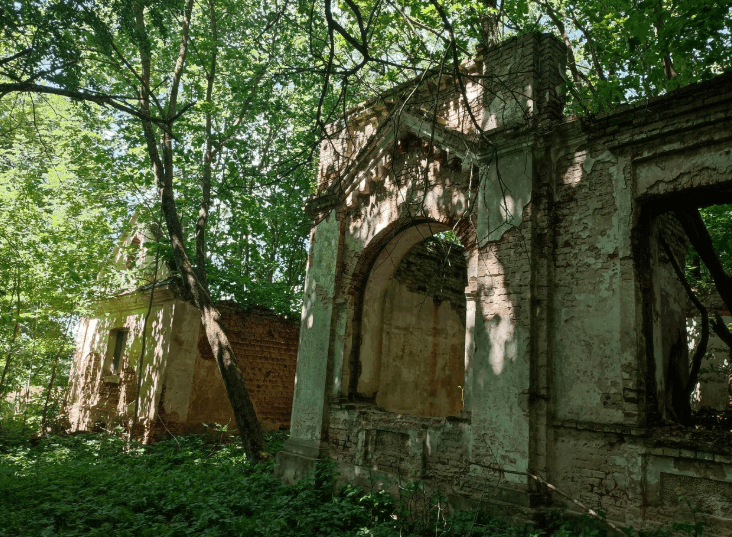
x=298, y=459
x=636, y=476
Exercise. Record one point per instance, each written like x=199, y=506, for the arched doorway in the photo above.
x=412, y=327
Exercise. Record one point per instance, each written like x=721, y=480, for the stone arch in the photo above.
x=372, y=277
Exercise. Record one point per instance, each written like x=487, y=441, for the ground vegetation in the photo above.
x=96, y=484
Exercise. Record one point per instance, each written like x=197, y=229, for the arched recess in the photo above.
x=409, y=325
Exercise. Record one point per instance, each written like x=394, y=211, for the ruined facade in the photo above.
x=569, y=307
x=181, y=384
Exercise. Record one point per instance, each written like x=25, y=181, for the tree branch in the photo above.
x=100, y=99
x=695, y=229
x=701, y=348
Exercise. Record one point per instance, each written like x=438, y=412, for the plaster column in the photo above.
x=498, y=377
x=471, y=299
x=310, y=399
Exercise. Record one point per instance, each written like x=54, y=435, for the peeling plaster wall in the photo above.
x=96, y=394
x=619, y=308
x=181, y=386
x=593, y=373
x=571, y=309
x=423, y=331
x=497, y=381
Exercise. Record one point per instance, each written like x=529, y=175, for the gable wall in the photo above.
x=98, y=395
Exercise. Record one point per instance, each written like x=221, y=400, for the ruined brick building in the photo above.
x=181, y=385
x=540, y=344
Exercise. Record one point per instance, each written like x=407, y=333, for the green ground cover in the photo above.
x=90, y=485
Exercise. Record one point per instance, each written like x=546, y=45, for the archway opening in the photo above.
x=412, y=350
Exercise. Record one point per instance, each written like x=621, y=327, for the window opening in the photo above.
x=119, y=338
x=693, y=372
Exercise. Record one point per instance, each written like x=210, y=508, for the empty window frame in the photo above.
x=118, y=340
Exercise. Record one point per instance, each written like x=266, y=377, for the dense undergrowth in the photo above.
x=195, y=485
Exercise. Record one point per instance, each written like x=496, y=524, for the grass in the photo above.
x=88, y=485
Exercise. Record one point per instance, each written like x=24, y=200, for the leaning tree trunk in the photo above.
x=695, y=229
x=197, y=291
x=241, y=403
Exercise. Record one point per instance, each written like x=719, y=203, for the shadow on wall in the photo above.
x=104, y=386
x=413, y=327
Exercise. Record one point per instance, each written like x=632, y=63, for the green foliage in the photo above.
x=87, y=485
x=61, y=205
x=624, y=50
x=91, y=484
x=244, y=124
x=718, y=220
x=620, y=46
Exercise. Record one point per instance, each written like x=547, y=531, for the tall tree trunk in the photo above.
x=9, y=357
x=145, y=323
x=668, y=65
x=16, y=330
x=30, y=371
x=274, y=247
x=489, y=22
x=49, y=388
x=244, y=413
x=208, y=157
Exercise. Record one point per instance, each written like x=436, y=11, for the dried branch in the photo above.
x=552, y=488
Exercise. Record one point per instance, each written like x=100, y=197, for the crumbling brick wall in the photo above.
x=571, y=307
x=265, y=345
x=100, y=396
x=181, y=384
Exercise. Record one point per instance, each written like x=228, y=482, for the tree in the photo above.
x=59, y=214
x=141, y=59
x=61, y=205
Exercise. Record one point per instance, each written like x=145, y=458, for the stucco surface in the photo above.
x=572, y=310
x=423, y=332
x=181, y=386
